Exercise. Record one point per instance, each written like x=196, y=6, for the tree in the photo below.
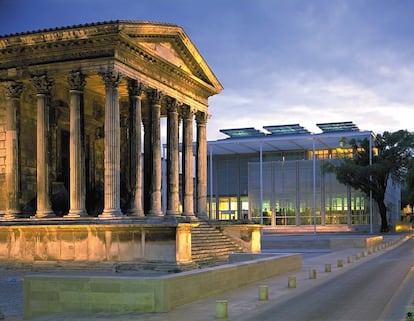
x=390, y=158
x=407, y=197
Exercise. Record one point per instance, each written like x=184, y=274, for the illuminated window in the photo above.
x=228, y=208
x=319, y=154
x=341, y=152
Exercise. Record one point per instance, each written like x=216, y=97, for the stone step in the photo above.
x=211, y=247
x=206, y=242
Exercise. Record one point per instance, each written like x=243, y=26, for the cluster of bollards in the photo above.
x=222, y=305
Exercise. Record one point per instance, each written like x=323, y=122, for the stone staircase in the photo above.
x=210, y=247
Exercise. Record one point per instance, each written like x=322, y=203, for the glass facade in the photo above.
x=280, y=181
x=282, y=192
x=299, y=193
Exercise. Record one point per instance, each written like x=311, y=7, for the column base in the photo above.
x=44, y=214
x=156, y=213
x=76, y=213
x=135, y=212
x=111, y=213
x=10, y=215
x=191, y=216
x=173, y=213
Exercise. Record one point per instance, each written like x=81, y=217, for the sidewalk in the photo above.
x=242, y=300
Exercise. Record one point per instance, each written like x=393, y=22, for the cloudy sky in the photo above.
x=279, y=61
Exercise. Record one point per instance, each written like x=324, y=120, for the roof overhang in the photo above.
x=271, y=143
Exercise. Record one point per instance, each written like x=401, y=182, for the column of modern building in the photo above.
x=152, y=150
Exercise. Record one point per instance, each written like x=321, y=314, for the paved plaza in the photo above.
x=239, y=301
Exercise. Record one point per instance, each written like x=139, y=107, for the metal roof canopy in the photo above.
x=275, y=143
x=242, y=132
x=294, y=129
x=338, y=127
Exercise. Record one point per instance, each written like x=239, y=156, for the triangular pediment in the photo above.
x=166, y=51
x=171, y=44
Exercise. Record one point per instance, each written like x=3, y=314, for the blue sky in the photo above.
x=279, y=61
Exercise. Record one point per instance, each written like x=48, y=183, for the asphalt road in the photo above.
x=379, y=289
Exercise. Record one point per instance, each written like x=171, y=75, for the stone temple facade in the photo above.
x=74, y=103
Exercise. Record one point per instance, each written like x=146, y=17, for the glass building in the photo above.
x=274, y=177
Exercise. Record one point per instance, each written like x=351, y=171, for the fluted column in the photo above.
x=173, y=175
x=156, y=176
x=13, y=93
x=201, y=163
x=112, y=160
x=188, y=185
x=146, y=122
x=77, y=191
x=43, y=86
x=135, y=90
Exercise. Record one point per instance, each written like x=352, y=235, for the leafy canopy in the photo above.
x=373, y=163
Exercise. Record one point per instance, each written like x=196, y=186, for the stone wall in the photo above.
x=45, y=295
x=95, y=242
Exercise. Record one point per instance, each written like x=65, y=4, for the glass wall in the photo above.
x=285, y=191
x=227, y=188
x=300, y=193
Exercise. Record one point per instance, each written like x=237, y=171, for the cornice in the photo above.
x=51, y=52
x=74, y=31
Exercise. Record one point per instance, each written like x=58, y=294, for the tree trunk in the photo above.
x=383, y=214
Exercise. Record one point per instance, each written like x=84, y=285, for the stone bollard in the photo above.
x=340, y=263
x=292, y=282
x=365, y=253
x=263, y=293
x=328, y=268
x=349, y=259
x=357, y=256
x=312, y=274
x=221, y=309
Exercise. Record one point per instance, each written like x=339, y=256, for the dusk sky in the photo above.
x=280, y=61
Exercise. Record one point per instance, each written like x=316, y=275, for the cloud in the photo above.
x=308, y=99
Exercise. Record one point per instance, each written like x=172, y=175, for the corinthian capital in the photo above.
x=135, y=88
x=76, y=80
x=155, y=96
x=201, y=117
x=42, y=83
x=14, y=89
x=171, y=104
x=111, y=78
x=186, y=112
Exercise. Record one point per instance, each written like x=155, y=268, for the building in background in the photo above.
x=275, y=177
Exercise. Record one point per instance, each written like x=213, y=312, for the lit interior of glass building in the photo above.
x=275, y=177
